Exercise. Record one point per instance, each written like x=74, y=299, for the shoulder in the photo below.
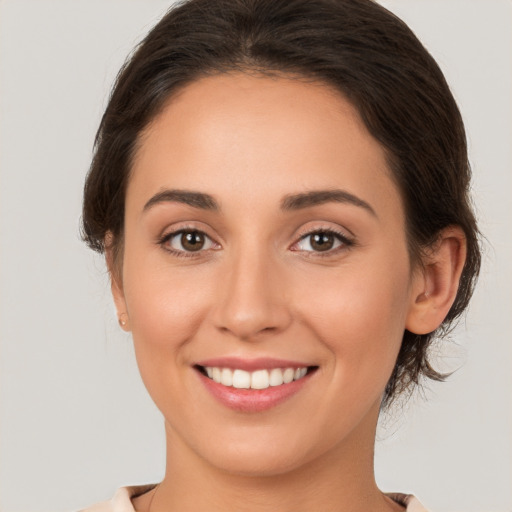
x=121, y=501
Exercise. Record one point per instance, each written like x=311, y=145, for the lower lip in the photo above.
x=253, y=400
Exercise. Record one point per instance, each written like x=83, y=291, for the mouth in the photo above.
x=260, y=379
x=253, y=386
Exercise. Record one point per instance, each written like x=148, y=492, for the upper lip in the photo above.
x=250, y=365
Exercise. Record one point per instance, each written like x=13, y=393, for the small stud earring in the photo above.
x=122, y=320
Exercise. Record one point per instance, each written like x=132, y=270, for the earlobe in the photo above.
x=120, y=303
x=436, y=284
x=123, y=321
x=116, y=284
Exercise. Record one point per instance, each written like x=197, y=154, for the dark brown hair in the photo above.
x=356, y=46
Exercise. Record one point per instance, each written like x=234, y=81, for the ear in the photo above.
x=435, y=285
x=116, y=283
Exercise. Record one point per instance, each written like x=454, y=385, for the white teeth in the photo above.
x=216, y=375
x=288, y=375
x=276, y=377
x=259, y=379
x=226, y=377
x=241, y=379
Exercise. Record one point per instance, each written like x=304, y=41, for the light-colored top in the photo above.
x=122, y=500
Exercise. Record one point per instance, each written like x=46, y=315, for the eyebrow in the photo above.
x=290, y=202
x=194, y=199
x=316, y=197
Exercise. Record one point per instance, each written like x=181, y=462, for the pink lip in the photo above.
x=251, y=365
x=253, y=400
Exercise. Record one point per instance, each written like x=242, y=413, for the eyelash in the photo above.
x=346, y=242
x=181, y=254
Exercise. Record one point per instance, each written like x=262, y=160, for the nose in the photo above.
x=254, y=297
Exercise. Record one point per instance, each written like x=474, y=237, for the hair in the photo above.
x=357, y=47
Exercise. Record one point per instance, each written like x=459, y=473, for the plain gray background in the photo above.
x=76, y=422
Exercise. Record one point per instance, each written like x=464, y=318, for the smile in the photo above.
x=259, y=379
x=252, y=386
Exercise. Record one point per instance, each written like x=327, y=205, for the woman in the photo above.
x=281, y=193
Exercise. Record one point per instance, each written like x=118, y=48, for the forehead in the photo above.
x=248, y=137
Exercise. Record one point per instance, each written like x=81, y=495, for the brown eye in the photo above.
x=192, y=240
x=187, y=241
x=322, y=241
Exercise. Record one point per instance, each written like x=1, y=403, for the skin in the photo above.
x=259, y=288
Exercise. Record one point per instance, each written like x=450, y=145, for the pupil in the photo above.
x=322, y=241
x=192, y=241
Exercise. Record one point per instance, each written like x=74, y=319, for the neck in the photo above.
x=341, y=479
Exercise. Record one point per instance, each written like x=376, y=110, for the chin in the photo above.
x=264, y=450
x=257, y=462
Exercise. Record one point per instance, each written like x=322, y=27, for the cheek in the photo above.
x=166, y=310
x=359, y=314
x=165, y=306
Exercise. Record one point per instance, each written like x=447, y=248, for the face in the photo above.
x=264, y=240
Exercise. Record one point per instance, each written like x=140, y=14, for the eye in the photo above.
x=186, y=241
x=324, y=241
